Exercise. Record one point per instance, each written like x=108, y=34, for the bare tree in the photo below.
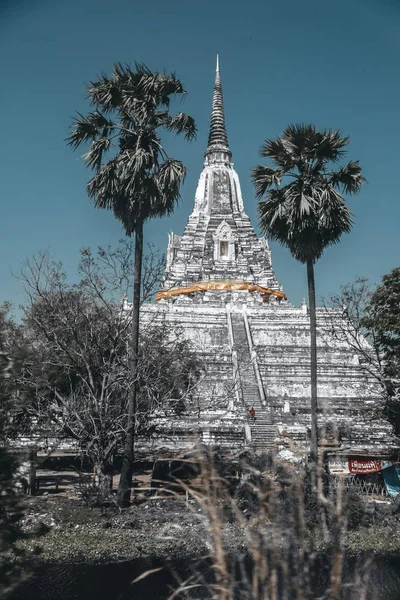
x=346, y=326
x=76, y=370
x=356, y=320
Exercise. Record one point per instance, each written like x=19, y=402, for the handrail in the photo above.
x=254, y=358
x=236, y=377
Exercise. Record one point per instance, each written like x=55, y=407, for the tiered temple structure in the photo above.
x=219, y=241
x=220, y=292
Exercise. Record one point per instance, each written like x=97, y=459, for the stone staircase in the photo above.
x=263, y=432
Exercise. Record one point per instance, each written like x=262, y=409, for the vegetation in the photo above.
x=139, y=182
x=12, y=556
x=373, y=315
x=249, y=527
x=76, y=375
x=268, y=529
x=302, y=206
x=382, y=322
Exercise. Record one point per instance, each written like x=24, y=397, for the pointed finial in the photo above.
x=217, y=138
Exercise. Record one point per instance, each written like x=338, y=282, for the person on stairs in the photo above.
x=252, y=414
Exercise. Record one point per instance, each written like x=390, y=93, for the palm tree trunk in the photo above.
x=125, y=483
x=313, y=335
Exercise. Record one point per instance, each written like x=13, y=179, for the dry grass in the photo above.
x=294, y=535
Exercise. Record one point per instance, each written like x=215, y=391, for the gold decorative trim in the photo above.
x=221, y=285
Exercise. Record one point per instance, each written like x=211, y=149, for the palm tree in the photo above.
x=139, y=181
x=301, y=205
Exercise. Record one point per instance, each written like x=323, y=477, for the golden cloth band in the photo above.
x=222, y=285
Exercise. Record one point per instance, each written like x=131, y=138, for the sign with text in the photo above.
x=360, y=466
x=338, y=466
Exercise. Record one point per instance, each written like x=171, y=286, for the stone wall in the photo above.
x=206, y=328
x=348, y=397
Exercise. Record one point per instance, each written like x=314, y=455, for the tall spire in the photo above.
x=217, y=138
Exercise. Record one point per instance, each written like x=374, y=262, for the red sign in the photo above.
x=357, y=467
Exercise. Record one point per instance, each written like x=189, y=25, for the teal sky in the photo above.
x=332, y=63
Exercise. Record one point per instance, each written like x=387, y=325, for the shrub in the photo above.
x=355, y=512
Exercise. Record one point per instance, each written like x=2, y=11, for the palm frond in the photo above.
x=273, y=214
x=134, y=209
x=329, y=146
x=308, y=144
x=139, y=182
x=183, y=123
x=309, y=213
x=334, y=215
x=125, y=77
x=167, y=86
x=263, y=177
x=105, y=93
x=299, y=137
x=141, y=70
x=279, y=152
x=306, y=203
x=170, y=177
x=134, y=165
x=349, y=177
x=137, y=113
x=104, y=187
x=128, y=140
x=93, y=157
x=89, y=128
x=159, y=87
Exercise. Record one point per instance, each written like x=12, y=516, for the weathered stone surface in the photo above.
x=219, y=241
x=273, y=372
x=255, y=354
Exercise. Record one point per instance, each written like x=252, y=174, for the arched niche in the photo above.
x=224, y=243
